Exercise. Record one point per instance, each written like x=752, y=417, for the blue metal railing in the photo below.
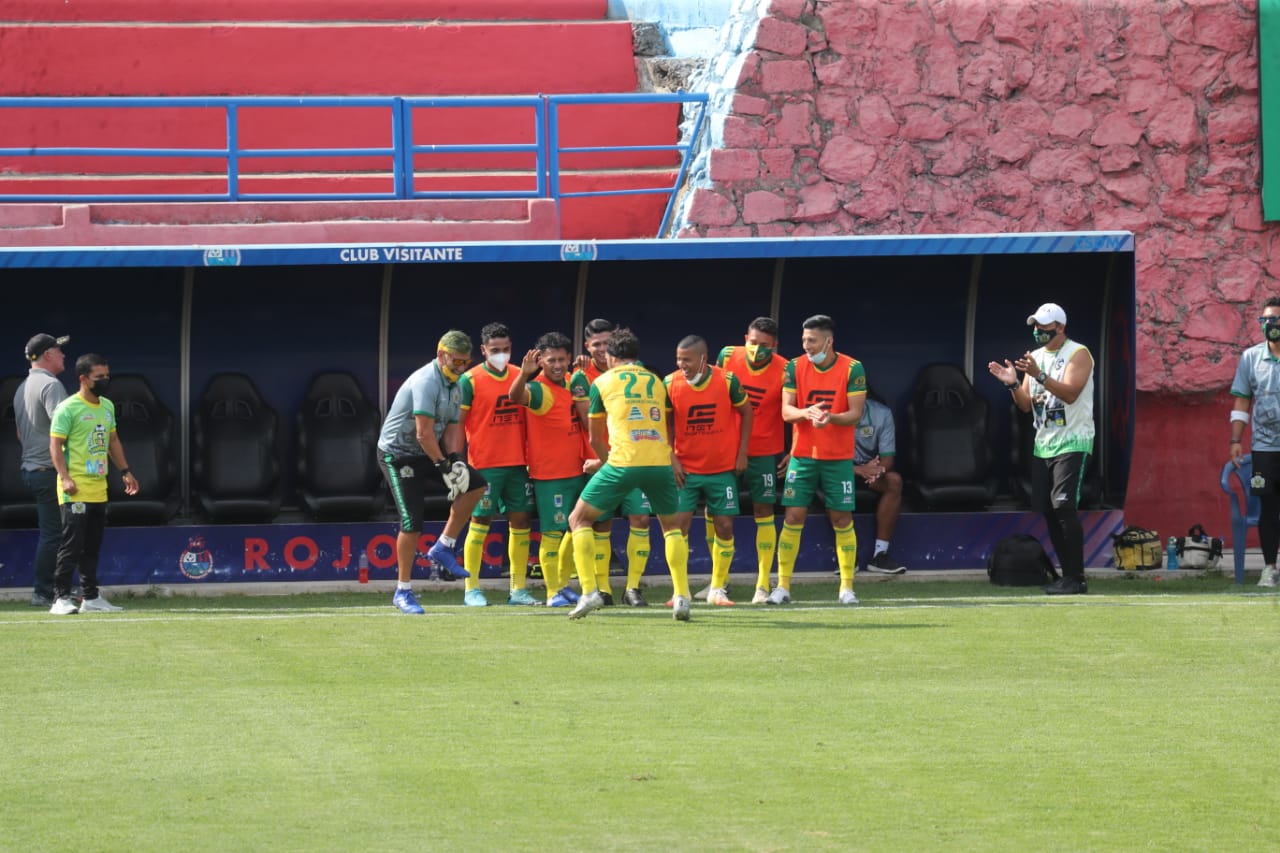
x=546, y=149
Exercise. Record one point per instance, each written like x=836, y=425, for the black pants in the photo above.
x=44, y=486
x=1055, y=491
x=82, y=528
x=1266, y=485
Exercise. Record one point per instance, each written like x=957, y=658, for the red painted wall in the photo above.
x=900, y=116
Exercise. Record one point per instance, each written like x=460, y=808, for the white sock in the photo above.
x=403, y=585
x=882, y=545
x=448, y=541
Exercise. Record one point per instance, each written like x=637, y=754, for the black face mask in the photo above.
x=1042, y=336
x=101, y=386
x=1271, y=331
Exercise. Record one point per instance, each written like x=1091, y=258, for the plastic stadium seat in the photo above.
x=947, y=429
x=1245, y=508
x=235, y=466
x=338, y=472
x=147, y=430
x=17, y=507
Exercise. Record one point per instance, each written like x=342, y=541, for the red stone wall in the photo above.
x=936, y=116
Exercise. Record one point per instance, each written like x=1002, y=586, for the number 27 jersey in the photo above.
x=635, y=403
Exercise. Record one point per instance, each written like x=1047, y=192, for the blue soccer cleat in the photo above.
x=569, y=593
x=559, y=600
x=407, y=602
x=450, y=568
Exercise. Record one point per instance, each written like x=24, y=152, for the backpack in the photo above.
x=1198, y=551
x=1137, y=549
x=1020, y=560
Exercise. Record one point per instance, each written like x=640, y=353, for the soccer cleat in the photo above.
x=98, y=605
x=63, y=607
x=633, y=598
x=778, y=596
x=607, y=598
x=680, y=608
x=847, y=597
x=883, y=564
x=521, y=597
x=559, y=600
x=1268, y=577
x=719, y=597
x=475, y=598
x=570, y=593
x=1067, y=586
x=702, y=594
x=407, y=602
x=761, y=596
x=447, y=561
x=587, y=603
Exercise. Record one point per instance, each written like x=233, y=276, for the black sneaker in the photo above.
x=607, y=597
x=883, y=564
x=1068, y=586
x=633, y=598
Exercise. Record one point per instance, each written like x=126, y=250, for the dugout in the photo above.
x=282, y=314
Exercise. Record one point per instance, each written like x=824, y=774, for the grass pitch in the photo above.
x=935, y=716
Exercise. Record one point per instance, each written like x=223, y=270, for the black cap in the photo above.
x=38, y=345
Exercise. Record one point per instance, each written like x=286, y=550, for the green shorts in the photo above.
x=720, y=491
x=509, y=490
x=761, y=479
x=804, y=476
x=555, y=500
x=611, y=488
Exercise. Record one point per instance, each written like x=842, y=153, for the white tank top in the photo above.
x=1061, y=427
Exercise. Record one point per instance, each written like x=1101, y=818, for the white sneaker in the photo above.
x=702, y=594
x=719, y=596
x=778, y=596
x=680, y=608
x=1268, y=576
x=63, y=607
x=847, y=597
x=98, y=605
x=587, y=603
x=761, y=596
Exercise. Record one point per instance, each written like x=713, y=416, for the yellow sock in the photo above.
x=788, y=550
x=676, y=548
x=846, y=555
x=766, y=545
x=604, y=551
x=721, y=560
x=473, y=551
x=566, y=561
x=710, y=531
x=584, y=554
x=549, y=559
x=637, y=555
x=518, y=553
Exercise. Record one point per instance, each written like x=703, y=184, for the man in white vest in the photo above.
x=1057, y=388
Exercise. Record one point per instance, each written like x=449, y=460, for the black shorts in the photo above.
x=408, y=477
x=1266, y=472
x=1055, y=482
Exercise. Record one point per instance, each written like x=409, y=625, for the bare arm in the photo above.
x=60, y=464
x=426, y=429
x=116, y=451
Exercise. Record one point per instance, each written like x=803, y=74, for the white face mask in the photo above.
x=817, y=357
x=498, y=360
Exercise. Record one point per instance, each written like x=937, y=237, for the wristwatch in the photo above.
x=1042, y=377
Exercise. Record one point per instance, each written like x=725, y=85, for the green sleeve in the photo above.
x=468, y=391
x=723, y=356
x=736, y=395
x=789, y=376
x=857, y=378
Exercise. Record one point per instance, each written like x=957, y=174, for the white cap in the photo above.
x=1050, y=312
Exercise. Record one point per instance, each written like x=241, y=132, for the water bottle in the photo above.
x=1171, y=555
x=363, y=571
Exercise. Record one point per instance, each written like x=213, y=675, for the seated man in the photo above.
x=875, y=447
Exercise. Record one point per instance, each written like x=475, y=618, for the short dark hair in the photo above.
x=87, y=362
x=597, y=326
x=623, y=343
x=821, y=322
x=692, y=342
x=554, y=340
x=767, y=325
x=494, y=330
x=1273, y=302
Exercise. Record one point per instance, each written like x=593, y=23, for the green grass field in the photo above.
x=936, y=716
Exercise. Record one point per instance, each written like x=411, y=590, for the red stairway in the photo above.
x=321, y=48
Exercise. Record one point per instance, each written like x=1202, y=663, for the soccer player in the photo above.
x=420, y=439
x=636, y=455
x=822, y=396
x=711, y=425
x=495, y=429
x=636, y=506
x=759, y=369
x=555, y=453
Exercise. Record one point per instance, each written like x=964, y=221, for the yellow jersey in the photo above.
x=633, y=401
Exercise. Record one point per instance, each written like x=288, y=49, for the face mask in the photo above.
x=757, y=353
x=817, y=357
x=100, y=386
x=1042, y=336
x=498, y=360
x=702, y=371
x=1271, y=331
